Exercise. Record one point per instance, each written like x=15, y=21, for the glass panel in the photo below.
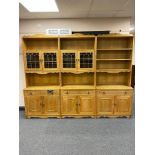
x=50, y=60
x=68, y=60
x=32, y=60
x=86, y=60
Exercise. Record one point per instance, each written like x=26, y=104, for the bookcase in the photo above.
x=78, y=76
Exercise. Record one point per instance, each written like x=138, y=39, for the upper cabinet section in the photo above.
x=40, y=43
x=77, y=43
x=115, y=43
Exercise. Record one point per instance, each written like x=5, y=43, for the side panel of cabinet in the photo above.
x=51, y=105
x=69, y=105
x=122, y=105
x=33, y=105
x=105, y=104
x=86, y=105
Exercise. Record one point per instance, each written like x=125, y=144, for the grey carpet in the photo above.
x=76, y=136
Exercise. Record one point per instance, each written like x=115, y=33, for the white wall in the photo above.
x=33, y=26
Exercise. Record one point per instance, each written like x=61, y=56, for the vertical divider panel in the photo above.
x=60, y=78
x=95, y=55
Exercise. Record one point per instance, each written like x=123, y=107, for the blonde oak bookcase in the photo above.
x=78, y=76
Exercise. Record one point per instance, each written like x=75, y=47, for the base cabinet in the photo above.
x=79, y=104
x=76, y=103
x=42, y=103
x=114, y=104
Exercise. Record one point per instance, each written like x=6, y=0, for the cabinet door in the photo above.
x=122, y=105
x=34, y=105
x=33, y=61
x=69, y=105
x=51, y=105
x=86, y=105
x=50, y=61
x=85, y=60
x=69, y=60
x=105, y=105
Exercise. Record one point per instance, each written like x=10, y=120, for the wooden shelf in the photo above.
x=113, y=70
x=115, y=87
x=114, y=49
x=112, y=59
x=42, y=87
x=78, y=87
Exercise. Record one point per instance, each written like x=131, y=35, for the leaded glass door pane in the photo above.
x=50, y=60
x=33, y=61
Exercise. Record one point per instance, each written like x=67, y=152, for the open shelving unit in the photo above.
x=78, y=75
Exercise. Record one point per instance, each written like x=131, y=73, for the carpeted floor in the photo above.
x=76, y=136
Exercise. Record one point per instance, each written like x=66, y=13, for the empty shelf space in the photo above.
x=112, y=78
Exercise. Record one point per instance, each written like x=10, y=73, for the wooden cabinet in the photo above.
x=73, y=60
x=114, y=103
x=42, y=103
x=78, y=75
x=79, y=104
x=41, y=61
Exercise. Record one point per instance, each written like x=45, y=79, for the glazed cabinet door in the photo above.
x=86, y=105
x=69, y=60
x=50, y=61
x=51, y=105
x=69, y=105
x=85, y=60
x=33, y=105
x=122, y=105
x=105, y=104
x=33, y=61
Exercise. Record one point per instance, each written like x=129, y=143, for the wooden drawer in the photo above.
x=105, y=92
x=81, y=92
x=49, y=92
x=31, y=92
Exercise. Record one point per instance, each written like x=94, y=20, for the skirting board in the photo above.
x=21, y=108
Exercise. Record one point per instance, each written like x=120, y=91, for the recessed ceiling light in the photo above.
x=40, y=5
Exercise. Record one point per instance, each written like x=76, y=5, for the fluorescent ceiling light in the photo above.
x=40, y=5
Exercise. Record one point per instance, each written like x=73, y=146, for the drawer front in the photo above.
x=105, y=92
x=31, y=92
x=49, y=92
x=81, y=92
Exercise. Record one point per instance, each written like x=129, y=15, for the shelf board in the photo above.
x=78, y=87
x=114, y=49
x=42, y=87
x=114, y=87
x=113, y=70
x=111, y=59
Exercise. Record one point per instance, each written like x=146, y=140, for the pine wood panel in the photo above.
x=69, y=105
x=122, y=105
x=34, y=105
x=86, y=105
x=51, y=105
x=105, y=104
